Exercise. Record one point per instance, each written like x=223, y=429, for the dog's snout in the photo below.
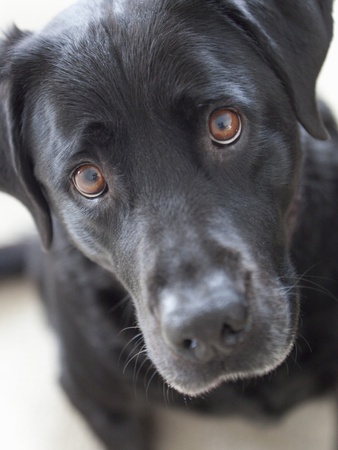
x=205, y=331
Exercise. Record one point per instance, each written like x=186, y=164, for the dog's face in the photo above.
x=165, y=141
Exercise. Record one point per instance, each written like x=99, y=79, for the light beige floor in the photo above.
x=34, y=415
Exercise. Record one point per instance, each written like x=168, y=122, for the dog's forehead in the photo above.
x=154, y=53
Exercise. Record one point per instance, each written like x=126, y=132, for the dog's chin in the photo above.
x=194, y=388
x=194, y=379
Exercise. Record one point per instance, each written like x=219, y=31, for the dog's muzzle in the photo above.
x=215, y=316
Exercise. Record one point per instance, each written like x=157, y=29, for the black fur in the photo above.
x=194, y=259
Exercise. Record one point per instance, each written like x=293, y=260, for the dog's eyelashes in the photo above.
x=89, y=181
x=225, y=126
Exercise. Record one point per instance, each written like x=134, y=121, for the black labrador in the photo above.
x=190, y=222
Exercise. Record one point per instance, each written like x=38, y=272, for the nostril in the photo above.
x=189, y=344
x=229, y=335
x=198, y=349
x=229, y=330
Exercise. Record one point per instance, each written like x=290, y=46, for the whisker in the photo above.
x=169, y=391
x=142, y=351
x=319, y=278
x=299, y=277
x=136, y=337
x=164, y=392
x=146, y=374
x=130, y=359
x=305, y=340
x=120, y=303
x=319, y=289
x=141, y=366
x=148, y=385
x=128, y=328
x=314, y=286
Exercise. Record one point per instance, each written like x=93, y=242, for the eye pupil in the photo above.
x=224, y=126
x=89, y=181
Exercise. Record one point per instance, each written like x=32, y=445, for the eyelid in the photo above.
x=76, y=166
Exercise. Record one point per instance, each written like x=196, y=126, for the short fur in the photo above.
x=198, y=257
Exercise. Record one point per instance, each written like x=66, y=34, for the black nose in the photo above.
x=205, y=331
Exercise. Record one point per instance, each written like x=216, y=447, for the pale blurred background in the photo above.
x=34, y=414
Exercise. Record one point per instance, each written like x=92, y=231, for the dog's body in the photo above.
x=112, y=133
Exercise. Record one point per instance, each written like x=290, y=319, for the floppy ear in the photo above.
x=293, y=37
x=16, y=167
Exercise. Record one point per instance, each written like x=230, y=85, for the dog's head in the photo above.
x=163, y=136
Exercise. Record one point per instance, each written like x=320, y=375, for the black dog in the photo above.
x=158, y=145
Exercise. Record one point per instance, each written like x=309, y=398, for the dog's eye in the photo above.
x=225, y=126
x=89, y=181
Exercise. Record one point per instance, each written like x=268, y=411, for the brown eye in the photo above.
x=89, y=181
x=225, y=126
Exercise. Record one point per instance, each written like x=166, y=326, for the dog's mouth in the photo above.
x=195, y=353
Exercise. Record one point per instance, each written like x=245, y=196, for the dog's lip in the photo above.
x=202, y=378
x=199, y=378
x=195, y=377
